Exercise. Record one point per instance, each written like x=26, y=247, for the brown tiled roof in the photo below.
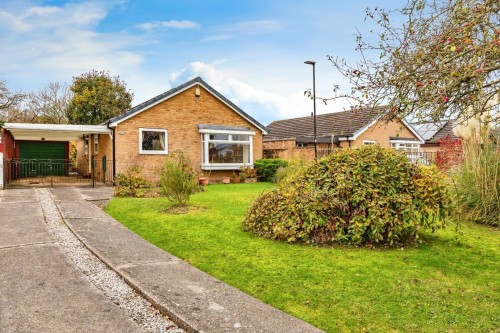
x=344, y=123
x=446, y=131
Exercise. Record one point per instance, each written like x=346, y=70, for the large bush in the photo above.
x=267, y=167
x=352, y=196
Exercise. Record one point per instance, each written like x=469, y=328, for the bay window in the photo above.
x=411, y=146
x=225, y=148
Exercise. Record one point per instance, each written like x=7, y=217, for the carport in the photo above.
x=39, y=154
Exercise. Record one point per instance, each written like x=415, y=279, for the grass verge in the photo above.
x=436, y=286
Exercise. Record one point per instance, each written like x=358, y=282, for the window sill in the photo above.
x=224, y=166
x=153, y=153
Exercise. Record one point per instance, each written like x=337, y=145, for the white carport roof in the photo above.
x=53, y=132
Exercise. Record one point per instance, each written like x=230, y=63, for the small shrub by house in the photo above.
x=353, y=196
x=130, y=181
x=267, y=168
x=178, y=179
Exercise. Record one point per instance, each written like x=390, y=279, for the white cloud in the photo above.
x=185, y=24
x=54, y=43
x=43, y=11
x=263, y=105
x=218, y=37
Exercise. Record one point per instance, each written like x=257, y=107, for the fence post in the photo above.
x=2, y=174
x=50, y=175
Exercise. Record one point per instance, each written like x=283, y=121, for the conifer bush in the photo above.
x=353, y=196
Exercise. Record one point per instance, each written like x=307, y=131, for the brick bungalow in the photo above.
x=192, y=118
x=294, y=138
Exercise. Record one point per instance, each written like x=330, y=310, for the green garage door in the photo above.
x=42, y=158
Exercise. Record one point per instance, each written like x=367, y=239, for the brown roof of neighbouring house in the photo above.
x=340, y=124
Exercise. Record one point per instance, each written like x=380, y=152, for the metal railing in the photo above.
x=47, y=172
x=421, y=157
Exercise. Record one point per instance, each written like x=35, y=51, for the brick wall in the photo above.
x=286, y=149
x=9, y=147
x=381, y=132
x=180, y=115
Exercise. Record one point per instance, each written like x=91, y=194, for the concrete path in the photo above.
x=40, y=289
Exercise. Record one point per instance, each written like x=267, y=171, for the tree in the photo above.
x=49, y=105
x=10, y=104
x=97, y=97
x=443, y=62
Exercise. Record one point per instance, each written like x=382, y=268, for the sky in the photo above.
x=251, y=51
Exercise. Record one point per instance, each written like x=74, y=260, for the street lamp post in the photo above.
x=313, y=63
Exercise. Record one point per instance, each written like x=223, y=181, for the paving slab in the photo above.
x=77, y=209
x=18, y=196
x=16, y=230
x=207, y=304
x=40, y=291
x=115, y=242
x=40, y=288
x=193, y=299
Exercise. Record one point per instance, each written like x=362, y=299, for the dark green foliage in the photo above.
x=178, y=179
x=354, y=196
x=267, y=167
x=129, y=182
x=97, y=97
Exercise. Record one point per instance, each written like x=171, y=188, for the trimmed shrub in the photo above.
x=129, y=182
x=178, y=179
x=267, y=167
x=353, y=196
x=294, y=168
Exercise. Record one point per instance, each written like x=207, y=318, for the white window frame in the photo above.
x=397, y=144
x=205, y=142
x=153, y=152
x=369, y=142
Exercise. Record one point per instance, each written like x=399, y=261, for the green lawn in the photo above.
x=437, y=286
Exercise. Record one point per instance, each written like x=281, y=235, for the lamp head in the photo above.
x=310, y=62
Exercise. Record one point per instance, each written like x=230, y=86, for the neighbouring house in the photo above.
x=434, y=132
x=192, y=118
x=294, y=138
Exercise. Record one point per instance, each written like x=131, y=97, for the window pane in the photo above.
x=219, y=136
x=228, y=153
x=241, y=137
x=154, y=141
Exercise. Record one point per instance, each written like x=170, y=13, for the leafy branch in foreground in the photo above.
x=443, y=62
